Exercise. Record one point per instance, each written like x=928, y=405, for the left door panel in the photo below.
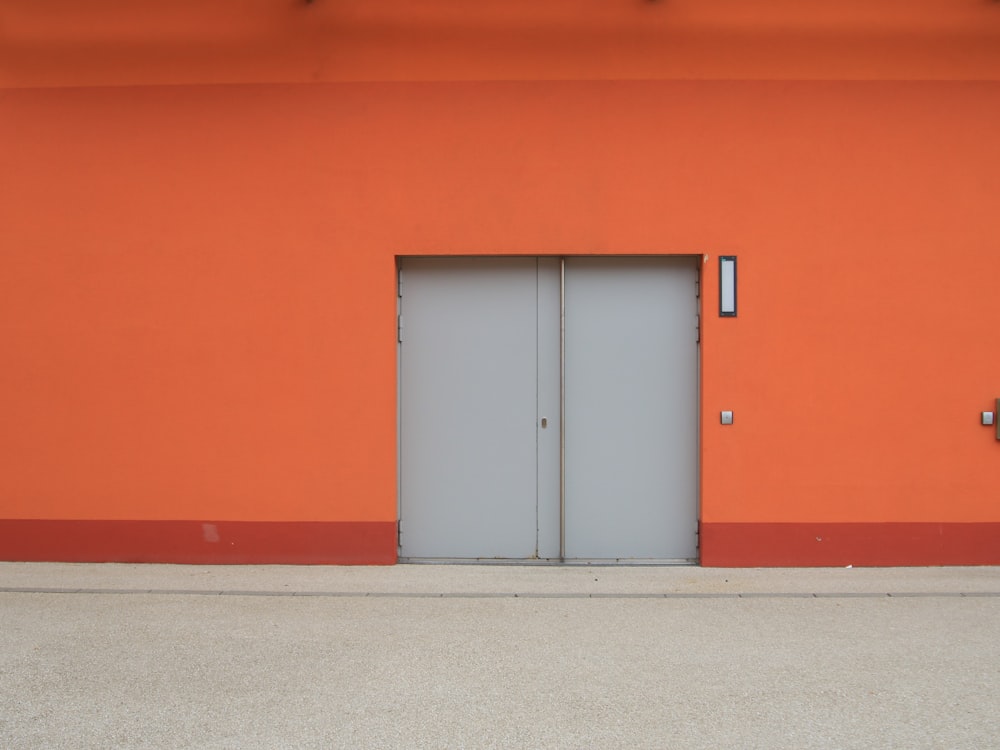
x=468, y=408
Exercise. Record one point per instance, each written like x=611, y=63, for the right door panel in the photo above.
x=631, y=420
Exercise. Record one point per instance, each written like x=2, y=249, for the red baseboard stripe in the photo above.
x=200, y=542
x=841, y=544
x=374, y=543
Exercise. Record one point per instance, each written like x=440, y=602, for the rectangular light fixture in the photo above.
x=727, y=286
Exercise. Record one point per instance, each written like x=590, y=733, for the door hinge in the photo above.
x=399, y=328
x=399, y=528
x=697, y=289
x=399, y=282
x=697, y=327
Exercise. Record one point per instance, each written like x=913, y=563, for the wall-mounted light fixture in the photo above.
x=727, y=286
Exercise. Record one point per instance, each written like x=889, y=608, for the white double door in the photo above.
x=491, y=352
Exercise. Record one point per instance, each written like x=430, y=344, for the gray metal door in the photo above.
x=476, y=368
x=631, y=408
x=481, y=385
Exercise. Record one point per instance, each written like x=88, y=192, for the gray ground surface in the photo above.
x=100, y=656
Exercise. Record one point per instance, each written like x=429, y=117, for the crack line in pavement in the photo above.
x=506, y=595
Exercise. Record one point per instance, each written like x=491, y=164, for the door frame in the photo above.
x=700, y=262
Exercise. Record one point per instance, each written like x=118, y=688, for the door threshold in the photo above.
x=599, y=562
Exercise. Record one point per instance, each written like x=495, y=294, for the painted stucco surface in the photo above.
x=198, y=313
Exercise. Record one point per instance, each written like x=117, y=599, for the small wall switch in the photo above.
x=727, y=417
x=987, y=417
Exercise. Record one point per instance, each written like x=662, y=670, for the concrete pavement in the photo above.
x=431, y=656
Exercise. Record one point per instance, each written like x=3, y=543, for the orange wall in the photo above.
x=198, y=308
x=124, y=42
x=202, y=203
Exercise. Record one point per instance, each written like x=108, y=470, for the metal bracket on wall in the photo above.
x=992, y=418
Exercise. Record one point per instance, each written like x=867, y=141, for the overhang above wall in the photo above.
x=119, y=42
